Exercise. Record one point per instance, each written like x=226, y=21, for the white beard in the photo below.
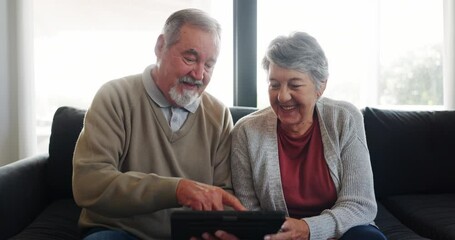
x=185, y=98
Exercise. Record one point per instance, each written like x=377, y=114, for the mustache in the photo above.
x=190, y=80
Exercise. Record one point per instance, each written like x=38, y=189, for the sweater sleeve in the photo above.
x=242, y=175
x=222, y=167
x=355, y=203
x=98, y=185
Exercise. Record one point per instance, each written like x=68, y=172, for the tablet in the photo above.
x=243, y=224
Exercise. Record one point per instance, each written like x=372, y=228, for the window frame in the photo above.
x=245, y=53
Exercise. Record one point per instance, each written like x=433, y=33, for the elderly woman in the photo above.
x=305, y=155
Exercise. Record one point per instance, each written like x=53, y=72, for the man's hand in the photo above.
x=199, y=196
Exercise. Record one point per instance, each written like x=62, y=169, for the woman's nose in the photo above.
x=283, y=95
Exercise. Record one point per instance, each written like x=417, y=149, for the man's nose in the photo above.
x=198, y=72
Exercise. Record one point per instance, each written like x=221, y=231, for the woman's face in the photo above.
x=293, y=97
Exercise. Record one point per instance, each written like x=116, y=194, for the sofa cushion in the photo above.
x=429, y=215
x=392, y=227
x=57, y=221
x=411, y=151
x=66, y=126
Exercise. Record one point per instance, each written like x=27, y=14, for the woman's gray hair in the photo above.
x=190, y=16
x=301, y=52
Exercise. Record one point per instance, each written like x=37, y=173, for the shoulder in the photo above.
x=122, y=85
x=213, y=109
x=208, y=101
x=260, y=115
x=119, y=94
x=340, y=116
x=259, y=119
x=338, y=109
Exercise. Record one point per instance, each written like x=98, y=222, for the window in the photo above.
x=385, y=53
x=79, y=45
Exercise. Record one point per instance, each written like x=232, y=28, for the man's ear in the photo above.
x=159, y=46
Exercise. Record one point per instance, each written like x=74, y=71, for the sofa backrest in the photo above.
x=66, y=126
x=412, y=152
x=238, y=112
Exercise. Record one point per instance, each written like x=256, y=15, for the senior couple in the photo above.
x=156, y=142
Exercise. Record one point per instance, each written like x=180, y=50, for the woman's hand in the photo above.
x=219, y=235
x=292, y=228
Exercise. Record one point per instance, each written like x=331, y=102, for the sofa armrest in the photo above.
x=23, y=193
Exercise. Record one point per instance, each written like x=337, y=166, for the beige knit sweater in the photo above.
x=127, y=161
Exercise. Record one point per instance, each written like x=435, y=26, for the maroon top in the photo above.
x=307, y=186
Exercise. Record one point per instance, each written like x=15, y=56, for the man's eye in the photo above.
x=295, y=86
x=189, y=60
x=208, y=66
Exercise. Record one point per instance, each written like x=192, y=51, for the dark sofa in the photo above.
x=411, y=155
x=413, y=159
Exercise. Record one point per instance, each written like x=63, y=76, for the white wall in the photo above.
x=449, y=54
x=16, y=81
x=8, y=83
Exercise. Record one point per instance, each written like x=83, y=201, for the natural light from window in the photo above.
x=79, y=45
x=384, y=53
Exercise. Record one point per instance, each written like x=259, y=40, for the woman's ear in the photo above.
x=322, y=88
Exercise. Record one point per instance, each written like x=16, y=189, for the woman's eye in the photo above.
x=274, y=86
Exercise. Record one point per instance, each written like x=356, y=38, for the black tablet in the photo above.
x=243, y=224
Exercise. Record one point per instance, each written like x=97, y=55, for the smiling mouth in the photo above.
x=190, y=82
x=288, y=108
x=190, y=85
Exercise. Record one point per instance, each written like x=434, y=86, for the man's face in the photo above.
x=185, y=68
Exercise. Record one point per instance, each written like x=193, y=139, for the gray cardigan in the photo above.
x=256, y=174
